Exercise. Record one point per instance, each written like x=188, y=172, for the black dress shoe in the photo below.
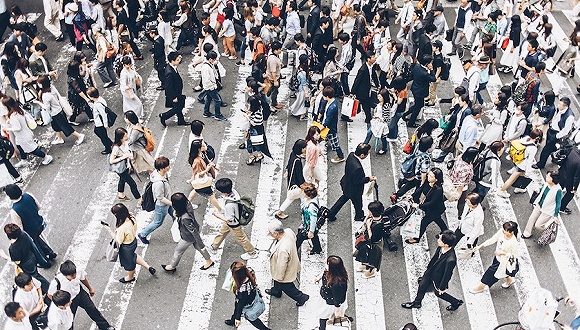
x=183, y=123
x=51, y=256
x=160, y=88
x=105, y=152
x=152, y=270
x=454, y=307
x=168, y=270
x=230, y=322
x=223, y=104
x=411, y=304
x=269, y=292
x=162, y=121
x=359, y=219
x=301, y=303
x=413, y=125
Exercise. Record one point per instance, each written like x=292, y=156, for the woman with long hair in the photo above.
x=245, y=289
x=77, y=90
x=86, y=69
x=380, y=123
x=510, y=55
x=400, y=93
x=125, y=235
x=201, y=167
x=314, y=156
x=142, y=159
x=228, y=34
x=120, y=159
x=497, y=116
x=333, y=70
x=332, y=290
x=189, y=233
x=461, y=175
x=254, y=143
x=130, y=81
x=433, y=203
x=505, y=262
x=50, y=100
x=299, y=108
x=23, y=136
x=294, y=176
x=249, y=23
x=27, y=93
x=8, y=61
x=309, y=210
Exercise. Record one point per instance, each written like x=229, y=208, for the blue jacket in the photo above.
x=331, y=120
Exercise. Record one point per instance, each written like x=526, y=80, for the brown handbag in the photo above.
x=267, y=86
x=344, y=10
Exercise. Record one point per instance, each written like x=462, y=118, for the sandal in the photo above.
x=251, y=160
x=259, y=158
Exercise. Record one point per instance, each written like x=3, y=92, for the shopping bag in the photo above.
x=5, y=177
x=349, y=106
x=521, y=182
x=175, y=231
x=228, y=284
x=549, y=235
x=412, y=227
x=112, y=253
x=65, y=105
x=323, y=130
x=450, y=190
x=46, y=118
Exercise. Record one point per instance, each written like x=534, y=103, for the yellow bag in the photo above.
x=323, y=130
x=517, y=151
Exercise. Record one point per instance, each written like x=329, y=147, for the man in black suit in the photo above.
x=438, y=273
x=158, y=50
x=362, y=86
x=320, y=42
x=423, y=75
x=174, y=97
x=353, y=182
x=313, y=20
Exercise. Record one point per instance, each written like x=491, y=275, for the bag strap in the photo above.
x=291, y=173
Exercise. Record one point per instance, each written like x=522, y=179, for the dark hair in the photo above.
x=430, y=28
x=344, y=37
x=448, y=237
x=293, y=6
x=41, y=46
x=161, y=162
x=539, y=67
x=132, y=117
x=239, y=273
x=550, y=97
x=376, y=208
x=425, y=143
x=12, y=106
x=331, y=54
x=275, y=45
x=474, y=198
x=426, y=59
x=534, y=43
x=68, y=268
x=196, y=127
x=325, y=10
x=565, y=100
x=409, y=326
x=356, y=7
x=476, y=109
x=60, y=298
x=22, y=279
x=336, y=273
x=460, y=90
x=13, y=191
x=368, y=54
x=121, y=213
x=470, y=155
x=194, y=151
x=310, y=135
x=228, y=13
x=21, y=64
x=428, y=127
x=73, y=69
x=298, y=146
x=93, y=92
x=496, y=146
x=536, y=134
x=299, y=37
x=506, y=89
x=309, y=189
x=224, y=185
x=211, y=55
x=438, y=175
x=172, y=56
x=362, y=149
x=399, y=83
x=328, y=91
x=207, y=47
x=324, y=20
x=511, y=227
x=120, y=132
x=11, y=308
x=12, y=231
x=179, y=203
x=555, y=175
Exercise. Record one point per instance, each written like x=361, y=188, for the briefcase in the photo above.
x=522, y=182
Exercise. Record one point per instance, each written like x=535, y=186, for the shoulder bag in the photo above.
x=549, y=235
x=112, y=253
x=202, y=181
x=256, y=308
x=118, y=167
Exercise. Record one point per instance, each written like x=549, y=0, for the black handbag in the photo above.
x=521, y=182
x=449, y=34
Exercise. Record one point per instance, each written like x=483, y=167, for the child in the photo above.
x=29, y=295
x=61, y=317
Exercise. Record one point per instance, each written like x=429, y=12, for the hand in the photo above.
x=521, y=63
x=373, y=178
x=310, y=235
x=441, y=291
x=462, y=35
x=397, y=21
x=415, y=205
x=237, y=323
x=175, y=100
x=91, y=292
x=277, y=83
x=454, y=130
x=308, y=35
x=556, y=220
x=133, y=97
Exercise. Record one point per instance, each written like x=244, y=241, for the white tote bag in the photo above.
x=347, y=105
x=175, y=232
x=412, y=227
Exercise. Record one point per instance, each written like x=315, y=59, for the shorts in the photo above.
x=220, y=18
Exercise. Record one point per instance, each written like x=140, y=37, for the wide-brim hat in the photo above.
x=484, y=60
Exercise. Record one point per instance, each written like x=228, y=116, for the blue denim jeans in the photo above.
x=385, y=144
x=393, y=125
x=214, y=96
x=158, y=216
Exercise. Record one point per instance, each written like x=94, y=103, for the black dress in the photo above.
x=370, y=252
x=76, y=85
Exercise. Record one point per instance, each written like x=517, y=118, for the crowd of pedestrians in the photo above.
x=458, y=157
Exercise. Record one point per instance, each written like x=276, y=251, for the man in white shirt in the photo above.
x=211, y=86
x=561, y=127
x=462, y=25
x=60, y=316
x=470, y=130
x=17, y=317
x=405, y=18
x=70, y=280
x=29, y=295
x=97, y=14
x=51, y=18
x=292, y=25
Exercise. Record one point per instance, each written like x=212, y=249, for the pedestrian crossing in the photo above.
x=199, y=302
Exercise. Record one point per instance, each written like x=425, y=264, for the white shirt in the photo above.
x=292, y=24
x=69, y=18
x=567, y=125
x=28, y=300
x=472, y=223
x=24, y=325
x=60, y=319
x=73, y=287
x=99, y=112
x=406, y=13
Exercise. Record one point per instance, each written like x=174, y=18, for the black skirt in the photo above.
x=60, y=124
x=127, y=255
x=370, y=254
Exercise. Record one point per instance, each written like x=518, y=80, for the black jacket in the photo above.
x=294, y=168
x=354, y=179
x=313, y=21
x=318, y=41
x=361, y=87
x=421, y=80
x=433, y=205
x=173, y=85
x=159, y=52
x=570, y=170
x=440, y=268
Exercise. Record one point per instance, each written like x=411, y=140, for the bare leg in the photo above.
x=511, y=180
x=214, y=202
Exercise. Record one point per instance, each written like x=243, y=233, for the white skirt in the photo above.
x=327, y=311
x=297, y=108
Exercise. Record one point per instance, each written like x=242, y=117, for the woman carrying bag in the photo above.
x=142, y=159
x=119, y=161
x=309, y=210
x=546, y=205
x=505, y=263
x=294, y=176
x=313, y=171
x=189, y=233
x=471, y=224
x=333, y=290
x=369, y=251
x=203, y=173
x=125, y=236
x=248, y=298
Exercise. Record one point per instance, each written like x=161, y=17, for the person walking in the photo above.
x=69, y=279
x=119, y=160
x=174, y=97
x=245, y=289
x=39, y=64
x=421, y=169
x=294, y=177
x=99, y=106
x=423, y=75
x=18, y=317
x=505, y=262
x=51, y=18
x=76, y=93
x=104, y=59
x=331, y=121
x=546, y=206
x=432, y=205
x=489, y=170
x=365, y=79
x=570, y=176
x=230, y=215
x=438, y=273
x=560, y=128
x=124, y=235
x=201, y=167
x=211, y=86
x=159, y=62
x=462, y=24
x=369, y=251
x=29, y=295
x=189, y=233
x=315, y=158
x=131, y=81
x=162, y=194
x=309, y=211
x=352, y=183
x=284, y=264
x=471, y=221
x=142, y=159
x=273, y=67
x=24, y=213
x=333, y=289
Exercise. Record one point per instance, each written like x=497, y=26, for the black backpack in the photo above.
x=111, y=116
x=148, y=202
x=321, y=215
x=479, y=166
x=6, y=148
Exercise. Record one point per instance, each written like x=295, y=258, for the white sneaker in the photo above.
x=503, y=194
x=21, y=163
x=195, y=206
x=47, y=160
x=80, y=139
x=248, y=256
x=519, y=191
x=57, y=141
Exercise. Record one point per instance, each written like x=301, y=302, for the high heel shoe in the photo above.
x=168, y=270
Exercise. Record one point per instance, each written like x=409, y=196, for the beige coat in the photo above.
x=284, y=262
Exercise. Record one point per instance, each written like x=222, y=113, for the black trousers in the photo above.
x=303, y=235
x=101, y=132
x=125, y=177
x=176, y=110
x=459, y=235
x=161, y=73
x=550, y=147
x=44, y=283
x=406, y=186
x=257, y=323
x=428, y=219
x=43, y=247
x=10, y=168
x=365, y=103
x=356, y=202
x=568, y=196
x=84, y=301
x=416, y=108
x=289, y=289
x=36, y=152
x=4, y=22
x=425, y=285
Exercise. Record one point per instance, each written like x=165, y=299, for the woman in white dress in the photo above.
x=299, y=107
x=130, y=79
x=497, y=117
